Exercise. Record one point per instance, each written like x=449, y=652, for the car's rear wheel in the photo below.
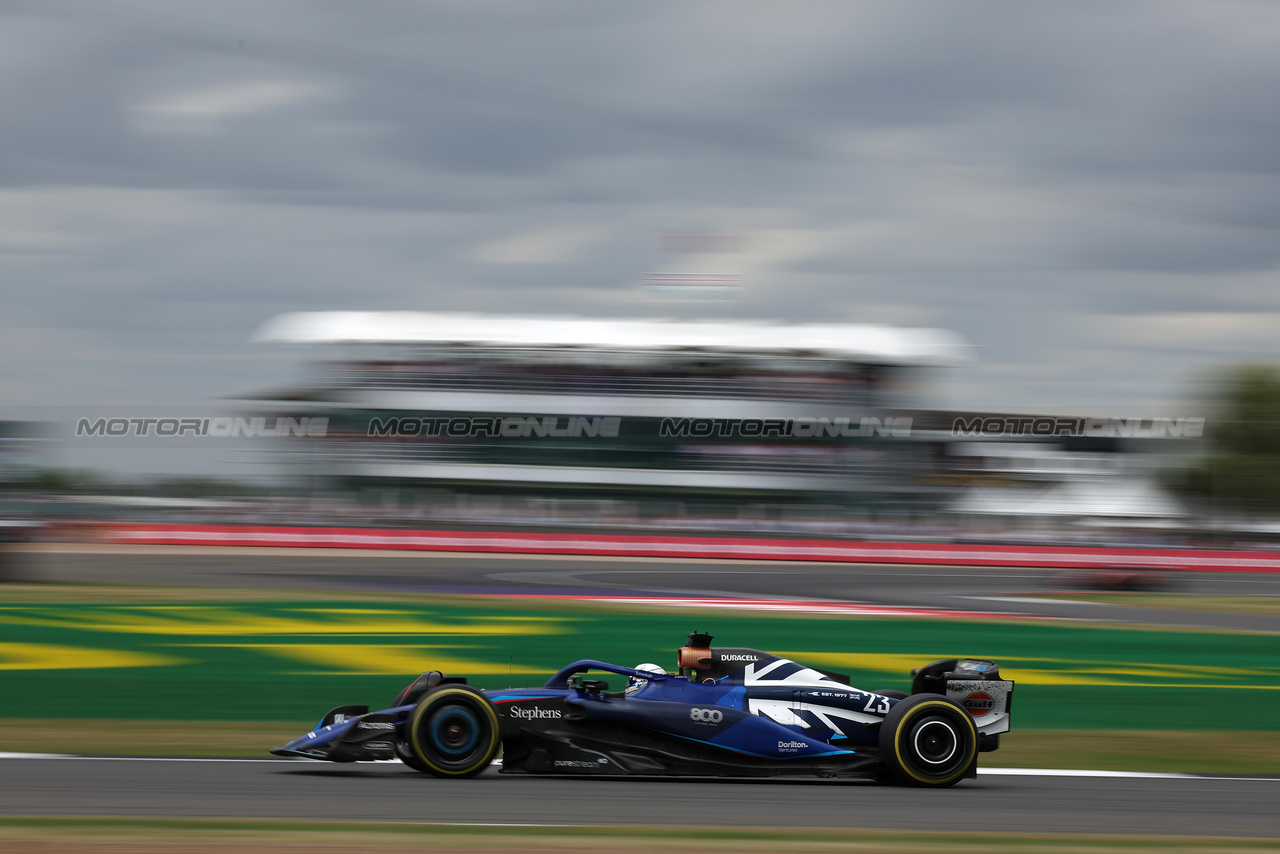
x=453, y=732
x=928, y=740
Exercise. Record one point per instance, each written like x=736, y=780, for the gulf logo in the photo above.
x=978, y=703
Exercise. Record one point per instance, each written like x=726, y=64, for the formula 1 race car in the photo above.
x=730, y=712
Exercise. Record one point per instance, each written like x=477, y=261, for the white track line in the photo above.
x=1071, y=772
x=1145, y=775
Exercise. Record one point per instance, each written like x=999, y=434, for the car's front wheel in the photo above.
x=928, y=740
x=453, y=732
x=405, y=754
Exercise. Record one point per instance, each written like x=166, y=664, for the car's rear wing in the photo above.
x=973, y=683
x=988, y=700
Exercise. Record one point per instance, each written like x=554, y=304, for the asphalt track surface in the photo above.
x=1186, y=806
x=1191, y=806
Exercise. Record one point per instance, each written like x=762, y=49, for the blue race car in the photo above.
x=727, y=711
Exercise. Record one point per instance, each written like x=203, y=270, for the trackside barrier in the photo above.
x=732, y=548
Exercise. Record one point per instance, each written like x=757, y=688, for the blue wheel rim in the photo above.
x=455, y=731
x=455, y=734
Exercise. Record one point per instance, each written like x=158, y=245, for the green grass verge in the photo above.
x=215, y=835
x=91, y=663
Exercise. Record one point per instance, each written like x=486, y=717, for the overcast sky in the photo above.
x=1086, y=191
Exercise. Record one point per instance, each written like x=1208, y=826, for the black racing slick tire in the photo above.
x=453, y=732
x=405, y=754
x=928, y=740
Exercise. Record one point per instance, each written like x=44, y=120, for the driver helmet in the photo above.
x=635, y=683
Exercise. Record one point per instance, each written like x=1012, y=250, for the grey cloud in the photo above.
x=1008, y=170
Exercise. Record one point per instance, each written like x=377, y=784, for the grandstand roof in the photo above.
x=849, y=341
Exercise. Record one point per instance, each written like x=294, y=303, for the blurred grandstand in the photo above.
x=698, y=425
x=483, y=421
x=683, y=417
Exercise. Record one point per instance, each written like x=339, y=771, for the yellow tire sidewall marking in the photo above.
x=915, y=712
x=422, y=709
